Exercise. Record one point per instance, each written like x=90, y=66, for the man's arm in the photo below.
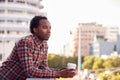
x=26, y=58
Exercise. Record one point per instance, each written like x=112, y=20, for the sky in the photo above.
x=64, y=16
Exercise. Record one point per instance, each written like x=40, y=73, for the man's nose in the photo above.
x=49, y=30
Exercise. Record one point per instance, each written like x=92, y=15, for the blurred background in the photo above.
x=85, y=32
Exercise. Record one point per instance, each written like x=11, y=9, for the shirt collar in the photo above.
x=37, y=41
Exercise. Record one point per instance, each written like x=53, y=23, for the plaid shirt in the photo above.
x=27, y=60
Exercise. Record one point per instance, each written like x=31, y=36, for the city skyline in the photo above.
x=65, y=15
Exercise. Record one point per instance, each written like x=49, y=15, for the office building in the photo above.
x=15, y=16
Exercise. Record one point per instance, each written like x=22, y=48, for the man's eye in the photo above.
x=44, y=27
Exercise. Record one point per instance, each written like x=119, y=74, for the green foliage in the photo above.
x=116, y=61
x=108, y=63
x=88, y=62
x=92, y=62
x=110, y=76
x=57, y=61
x=103, y=76
x=97, y=63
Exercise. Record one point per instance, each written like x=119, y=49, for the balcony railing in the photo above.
x=10, y=37
x=19, y=6
x=14, y=27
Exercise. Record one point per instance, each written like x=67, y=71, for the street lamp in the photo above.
x=79, y=52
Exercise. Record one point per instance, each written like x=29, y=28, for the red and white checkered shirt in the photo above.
x=27, y=60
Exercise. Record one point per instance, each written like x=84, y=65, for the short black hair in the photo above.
x=35, y=22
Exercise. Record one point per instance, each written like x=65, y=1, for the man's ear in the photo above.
x=35, y=29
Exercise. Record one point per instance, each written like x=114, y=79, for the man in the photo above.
x=29, y=56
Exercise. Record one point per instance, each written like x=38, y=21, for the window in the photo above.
x=21, y=2
x=1, y=32
x=8, y=32
x=19, y=21
x=15, y=11
x=2, y=11
x=31, y=13
x=1, y=21
x=33, y=4
x=10, y=0
x=9, y=21
x=2, y=0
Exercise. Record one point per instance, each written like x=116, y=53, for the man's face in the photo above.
x=43, y=30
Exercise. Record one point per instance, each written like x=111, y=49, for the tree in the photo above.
x=88, y=62
x=98, y=63
x=108, y=63
x=116, y=61
x=57, y=61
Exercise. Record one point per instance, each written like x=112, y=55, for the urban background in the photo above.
x=94, y=47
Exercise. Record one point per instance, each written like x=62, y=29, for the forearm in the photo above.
x=43, y=73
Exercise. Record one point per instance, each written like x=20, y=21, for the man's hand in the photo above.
x=67, y=73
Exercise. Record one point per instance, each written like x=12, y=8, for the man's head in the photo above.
x=41, y=27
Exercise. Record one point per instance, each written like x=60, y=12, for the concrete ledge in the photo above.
x=40, y=79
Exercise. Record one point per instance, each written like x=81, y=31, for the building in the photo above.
x=118, y=44
x=15, y=16
x=85, y=34
x=111, y=33
x=99, y=48
x=105, y=47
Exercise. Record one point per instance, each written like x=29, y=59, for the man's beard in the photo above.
x=42, y=38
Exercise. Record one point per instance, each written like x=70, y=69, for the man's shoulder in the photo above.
x=27, y=38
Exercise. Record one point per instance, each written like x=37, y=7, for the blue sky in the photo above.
x=65, y=15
